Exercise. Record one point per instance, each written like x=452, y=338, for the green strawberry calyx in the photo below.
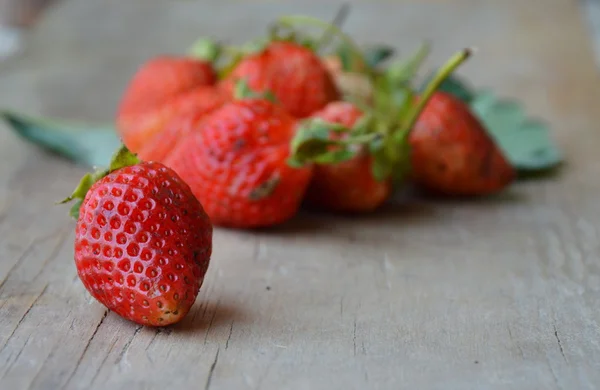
x=314, y=143
x=206, y=49
x=223, y=57
x=287, y=29
x=122, y=157
x=384, y=127
x=242, y=90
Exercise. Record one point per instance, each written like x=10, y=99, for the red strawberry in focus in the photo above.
x=236, y=164
x=293, y=73
x=346, y=186
x=452, y=153
x=163, y=89
x=142, y=241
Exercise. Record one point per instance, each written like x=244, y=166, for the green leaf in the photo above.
x=81, y=143
x=454, y=85
x=313, y=143
x=526, y=142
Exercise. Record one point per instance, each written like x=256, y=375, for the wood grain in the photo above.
x=426, y=294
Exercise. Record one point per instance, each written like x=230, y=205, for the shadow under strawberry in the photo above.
x=303, y=222
x=210, y=315
x=510, y=196
x=328, y=223
x=542, y=174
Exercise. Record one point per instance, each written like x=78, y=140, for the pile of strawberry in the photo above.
x=242, y=137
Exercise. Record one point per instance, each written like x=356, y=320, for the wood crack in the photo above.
x=126, y=346
x=17, y=357
x=24, y=316
x=63, y=235
x=212, y=370
x=354, y=337
x=37, y=374
x=211, y=321
x=156, y=333
x=229, y=337
x=16, y=264
x=85, y=349
x=560, y=347
x=554, y=376
x=102, y=363
x=510, y=336
x=13, y=267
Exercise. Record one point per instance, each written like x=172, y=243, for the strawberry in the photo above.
x=164, y=88
x=165, y=76
x=358, y=155
x=236, y=164
x=170, y=122
x=293, y=73
x=452, y=153
x=347, y=186
x=143, y=242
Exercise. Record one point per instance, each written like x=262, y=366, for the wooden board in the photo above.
x=497, y=294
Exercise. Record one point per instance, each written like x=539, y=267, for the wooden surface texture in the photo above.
x=496, y=294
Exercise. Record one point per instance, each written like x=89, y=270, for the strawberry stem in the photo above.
x=338, y=20
x=432, y=86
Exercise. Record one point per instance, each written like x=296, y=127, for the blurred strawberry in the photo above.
x=346, y=186
x=236, y=164
x=171, y=121
x=452, y=153
x=293, y=73
x=163, y=89
x=357, y=155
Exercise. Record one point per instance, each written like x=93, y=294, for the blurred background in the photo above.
x=18, y=16
x=110, y=38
